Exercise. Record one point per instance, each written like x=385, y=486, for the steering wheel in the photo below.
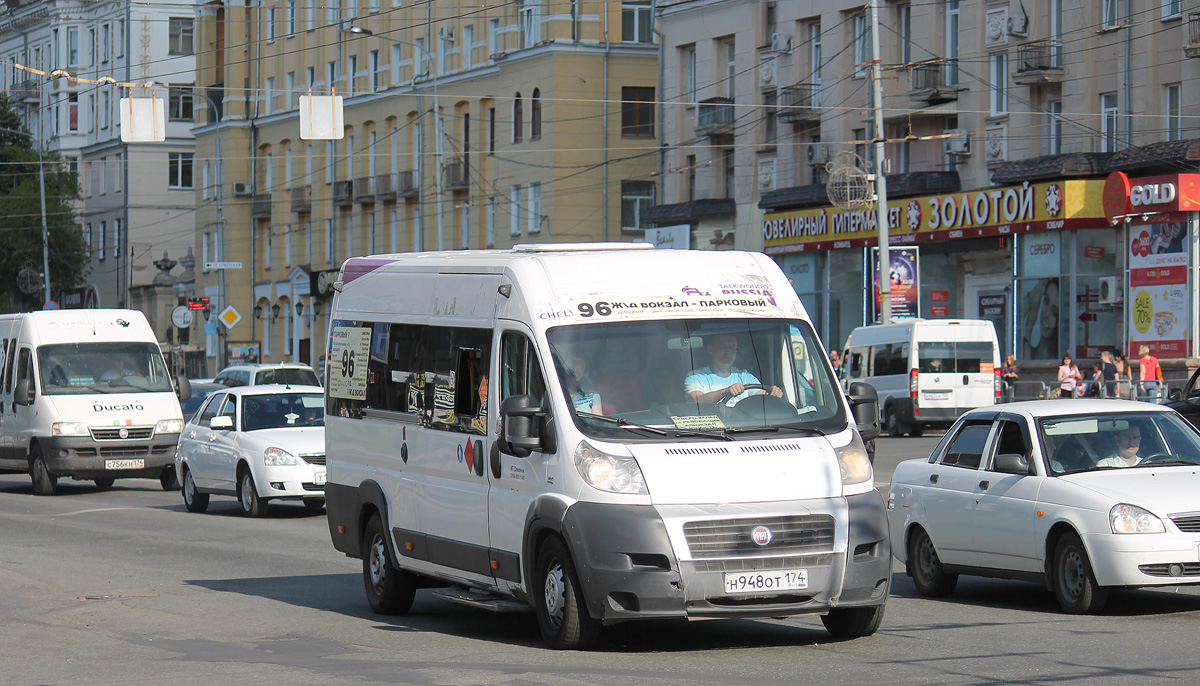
x=765, y=398
x=1157, y=457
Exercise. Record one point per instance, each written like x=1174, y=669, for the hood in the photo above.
x=308, y=440
x=1162, y=490
x=116, y=409
x=739, y=471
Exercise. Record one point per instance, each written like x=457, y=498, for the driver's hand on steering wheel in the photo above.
x=735, y=390
x=776, y=391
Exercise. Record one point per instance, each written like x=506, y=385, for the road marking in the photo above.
x=77, y=512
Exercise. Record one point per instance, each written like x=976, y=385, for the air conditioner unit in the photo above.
x=1018, y=26
x=446, y=33
x=1111, y=292
x=242, y=188
x=781, y=42
x=818, y=154
x=957, y=142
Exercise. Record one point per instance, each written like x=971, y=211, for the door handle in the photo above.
x=983, y=485
x=966, y=380
x=933, y=478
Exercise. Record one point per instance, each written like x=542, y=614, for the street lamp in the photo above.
x=437, y=119
x=42, y=192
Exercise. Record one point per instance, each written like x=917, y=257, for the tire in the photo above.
x=105, y=483
x=916, y=430
x=44, y=483
x=193, y=500
x=853, y=622
x=168, y=480
x=390, y=591
x=252, y=504
x=314, y=503
x=562, y=614
x=893, y=424
x=1074, y=583
x=926, y=570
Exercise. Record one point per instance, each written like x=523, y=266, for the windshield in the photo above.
x=282, y=410
x=79, y=368
x=290, y=376
x=1084, y=443
x=696, y=377
x=966, y=357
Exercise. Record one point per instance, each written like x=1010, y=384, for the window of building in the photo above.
x=330, y=168
x=269, y=96
x=468, y=46
x=770, y=117
x=636, y=198
x=952, y=11
x=530, y=12
x=1111, y=13
x=206, y=180
x=105, y=42
x=73, y=112
x=373, y=62
x=351, y=74
x=1172, y=8
x=491, y=130
x=102, y=240
x=493, y=38
x=690, y=171
x=180, y=101
x=862, y=45
x=534, y=211
x=291, y=17
x=1109, y=122
x=515, y=210
x=999, y=83
x=729, y=171
x=689, y=74
x=636, y=22
x=1054, y=127
x=730, y=54
x=516, y=115
x=333, y=12
x=330, y=243
x=72, y=46
x=268, y=245
x=179, y=169
x=815, y=60
x=180, y=36
x=535, y=115
x=905, y=21
x=1174, y=93
x=270, y=24
x=637, y=112
x=371, y=234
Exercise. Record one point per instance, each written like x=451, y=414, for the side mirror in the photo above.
x=864, y=405
x=23, y=393
x=522, y=426
x=1011, y=463
x=1176, y=394
x=183, y=387
x=221, y=422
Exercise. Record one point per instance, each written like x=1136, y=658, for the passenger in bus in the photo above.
x=720, y=381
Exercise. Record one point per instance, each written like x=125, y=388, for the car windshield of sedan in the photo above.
x=1084, y=443
x=282, y=411
x=665, y=379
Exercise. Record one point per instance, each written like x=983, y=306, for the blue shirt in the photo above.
x=706, y=380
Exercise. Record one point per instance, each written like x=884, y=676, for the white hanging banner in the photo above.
x=321, y=117
x=143, y=120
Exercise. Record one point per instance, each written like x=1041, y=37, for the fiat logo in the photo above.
x=124, y=433
x=761, y=535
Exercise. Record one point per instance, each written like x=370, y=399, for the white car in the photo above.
x=1081, y=495
x=256, y=443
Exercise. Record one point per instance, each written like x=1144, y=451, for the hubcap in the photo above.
x=376, y=567
x=926, y=559
x=555, y=593
x=1072, y=573
x=189, y=488
x=247, y=492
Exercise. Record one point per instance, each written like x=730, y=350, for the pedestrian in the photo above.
x=1010, y=373
x=1109, y=371
x=835, y=358
x=1123, y=372
x=1091, y=388
x=1068, y=377
x=1148, y=382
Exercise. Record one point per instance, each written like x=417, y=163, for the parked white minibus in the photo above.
x=86, y=394
x=599, y=432
x=927, y=372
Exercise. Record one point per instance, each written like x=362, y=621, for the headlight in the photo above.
x=169, y=426
x=278, y=457
x=70, y=429
x=854, y=462
x=612, y=473
x=1131, y=519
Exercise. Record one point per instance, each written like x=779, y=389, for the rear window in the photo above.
x=967, y=357
x=292, y=377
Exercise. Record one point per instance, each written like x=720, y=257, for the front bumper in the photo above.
x=1144, y=559
x=83, y=457
x=289, y=482
x=634, y=561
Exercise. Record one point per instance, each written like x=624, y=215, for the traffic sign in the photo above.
x=222, y=265
x=230, y=317
x=181, y=317
x=50, y=305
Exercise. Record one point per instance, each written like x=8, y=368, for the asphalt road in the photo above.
x=126, y=587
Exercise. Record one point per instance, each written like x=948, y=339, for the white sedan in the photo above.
x=256, y=443
x=1079, y=495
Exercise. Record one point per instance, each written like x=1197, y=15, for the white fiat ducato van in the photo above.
x=927, y=372
x=86, y=394
x=600, y=433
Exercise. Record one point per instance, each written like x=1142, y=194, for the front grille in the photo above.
x=314, y=487
x=125, y=451
x=1188, y=522
x=764, y=564
x=733, y=538
x=132, y=433
x=162, y=449
x=1185, y=569
x=313, y=459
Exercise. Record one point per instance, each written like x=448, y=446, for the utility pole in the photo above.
x=885, y=262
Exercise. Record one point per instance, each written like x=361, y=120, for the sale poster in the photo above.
x=905, y=283
x=1157, y=300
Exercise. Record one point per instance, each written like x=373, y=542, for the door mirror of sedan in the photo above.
x=1011, y=463
x=864, y=405
x=1176, y=394
x=221, y=422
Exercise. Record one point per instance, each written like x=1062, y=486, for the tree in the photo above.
x=20, y=217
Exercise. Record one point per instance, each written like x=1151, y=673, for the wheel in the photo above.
x=853, y=622
x=893, y=424
x=44, y=483
x=916, y=430
x=562, y=615
x=926, y=569
x=252, y=505
x=105, y=483
x=193, y=500
x=314, y=503
x=390, y=591
x=168, y=480
x=1074, y=584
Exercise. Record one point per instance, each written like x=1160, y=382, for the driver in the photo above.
x=1128, y=443
x=720, y=380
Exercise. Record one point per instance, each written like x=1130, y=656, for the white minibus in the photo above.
x=926, y=371
x=86, y=394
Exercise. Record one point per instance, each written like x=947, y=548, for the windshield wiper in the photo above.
x=1169, y=463
x=805, y=431
x=624, y=423
x=723, y=436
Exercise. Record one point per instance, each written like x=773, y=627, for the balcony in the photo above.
x=1039, y=62
x=1192, y=49
x=931, y=83
x=28, y=90
x=302, y=199
x=385, y=187
x=343, y=193
x=455, y=176
x=800, y=104
x=714, y=117
x=364, y=190
x=406, y=184
x=260, y=205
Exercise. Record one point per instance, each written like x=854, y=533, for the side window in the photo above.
x=399, y=377
x=966, y=450
x=210, y=408
x=229, y=407
x=223, y=379
x=859, y=362
x=889, y=359
x=24, y=365
x=1012, y=441
x=6, y=364
x=241, y=379
x=520, y=373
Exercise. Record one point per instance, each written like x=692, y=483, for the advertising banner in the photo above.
x=1157, y=302
x=905, y=283
x=243, y=353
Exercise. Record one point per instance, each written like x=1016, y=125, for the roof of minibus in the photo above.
x=87, y=325
x=923, y=330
